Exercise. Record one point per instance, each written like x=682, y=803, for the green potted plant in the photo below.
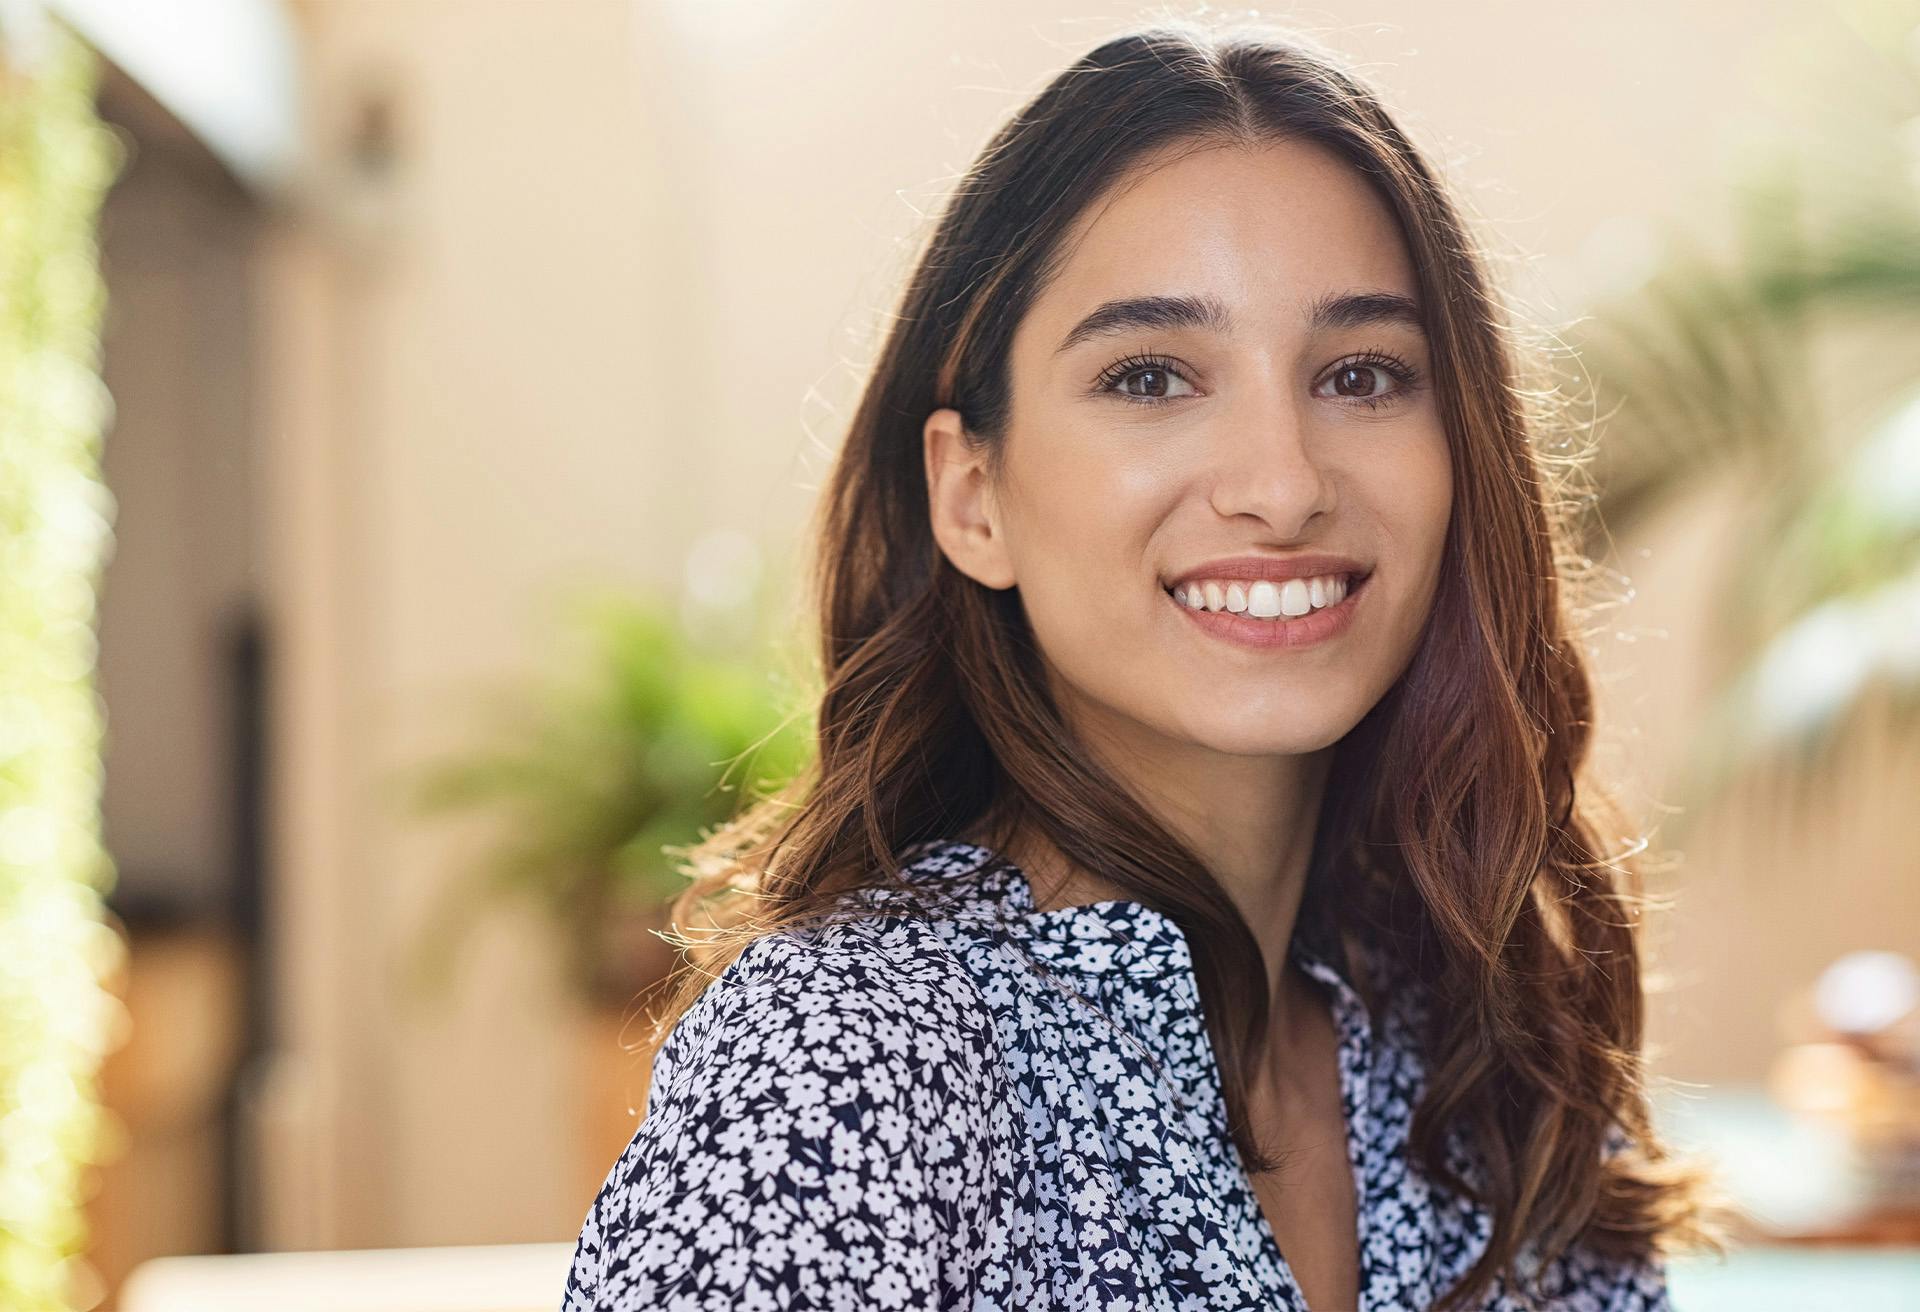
x=1746, y=358
x=592, y=772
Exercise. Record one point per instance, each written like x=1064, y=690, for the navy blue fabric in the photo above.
x=959, y=1102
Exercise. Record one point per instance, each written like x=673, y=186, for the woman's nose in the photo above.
x=1266, y=463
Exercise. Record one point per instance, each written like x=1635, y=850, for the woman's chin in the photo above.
x=1281, y=733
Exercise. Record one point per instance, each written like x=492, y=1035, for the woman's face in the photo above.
x=1268, y=403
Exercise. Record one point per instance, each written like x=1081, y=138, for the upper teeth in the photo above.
x=1263, y=599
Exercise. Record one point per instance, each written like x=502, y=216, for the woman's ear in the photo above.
x=960, y=502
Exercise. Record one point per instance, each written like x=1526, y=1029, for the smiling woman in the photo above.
x=1260, y=290
x=1198, y=899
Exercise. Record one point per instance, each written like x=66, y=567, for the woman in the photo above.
x=1192, y=905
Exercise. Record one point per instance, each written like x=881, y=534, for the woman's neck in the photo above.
x=1271, y=908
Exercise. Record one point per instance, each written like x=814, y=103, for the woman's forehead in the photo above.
x=1265, y=233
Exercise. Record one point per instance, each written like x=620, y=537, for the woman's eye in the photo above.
x=1371, y=381
x=1146, y=381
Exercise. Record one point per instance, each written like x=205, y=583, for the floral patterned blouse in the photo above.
x=993, y=1107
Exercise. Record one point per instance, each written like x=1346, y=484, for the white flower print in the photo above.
x=957, y=1101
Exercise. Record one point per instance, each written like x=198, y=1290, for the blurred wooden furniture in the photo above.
x=162, y=1186
x=614, y=1082
x=612, y=1025
x=1886, y=1228
x=1800, y=1178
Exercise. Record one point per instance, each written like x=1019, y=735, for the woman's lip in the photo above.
x=1274, y=569
x=1314, y=627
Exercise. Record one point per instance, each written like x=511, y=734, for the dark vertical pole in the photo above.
x=247, y=660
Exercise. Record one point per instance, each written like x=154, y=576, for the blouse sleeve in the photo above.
x=816, y=1136
x=1582, y=1280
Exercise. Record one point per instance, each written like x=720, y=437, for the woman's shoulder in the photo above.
x=834, y=1090
x=904, y=952
x=876, y=965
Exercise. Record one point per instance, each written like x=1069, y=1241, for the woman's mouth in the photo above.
x=1269, y=614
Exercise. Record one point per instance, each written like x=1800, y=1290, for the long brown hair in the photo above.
x=1462, y=791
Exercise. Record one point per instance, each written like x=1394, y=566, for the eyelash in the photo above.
x=1400, y=370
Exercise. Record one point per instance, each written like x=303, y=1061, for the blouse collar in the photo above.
x=1118, y=937
x=1109, y=948
x=1106, y=946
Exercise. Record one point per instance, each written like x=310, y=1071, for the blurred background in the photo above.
x=409, y=410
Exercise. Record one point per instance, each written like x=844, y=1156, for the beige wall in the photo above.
x=619, y=292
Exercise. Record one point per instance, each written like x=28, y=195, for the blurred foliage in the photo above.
x=591, y=772
x=57, y=947
x=1709, y=367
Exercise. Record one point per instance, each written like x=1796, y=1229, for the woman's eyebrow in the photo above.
x=1361, y=309
x=1333, y=310
x=1162, y=312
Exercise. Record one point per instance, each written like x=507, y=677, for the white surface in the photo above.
x=226, y=68
x=492, y=1278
